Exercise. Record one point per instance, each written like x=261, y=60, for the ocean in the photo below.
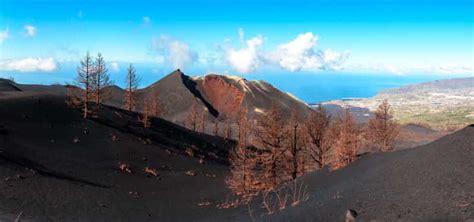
x=315, y=88
x=309, y=87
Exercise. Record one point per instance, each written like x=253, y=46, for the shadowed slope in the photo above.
x=56, y=166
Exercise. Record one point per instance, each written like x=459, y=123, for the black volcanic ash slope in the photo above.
x=54, y=166
x=434, y=182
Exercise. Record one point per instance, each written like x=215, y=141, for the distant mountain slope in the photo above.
x=442, y=104
x=8, y=85
x=220, y=96
x=437, y=85
x=228, y=93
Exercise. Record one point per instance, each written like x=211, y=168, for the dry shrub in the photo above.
x=201, y=160
x=114, y=137
x=145, y=141
x=125, y=167
x=211, y=175
x=273, y=200
x=299, y=193
x=190, y=173
x=282, y=196
x=232, y=201
x=204, y=203
x=268, y=202
x=190, y=152
x=151, y=171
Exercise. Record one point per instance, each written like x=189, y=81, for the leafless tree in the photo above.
x=147, y=112
x=84, y=82
x=383, y=129
x=216, y=127
x=228, y=127
x=242, y=180
x=295, y=144
x=242, y=124
x=272, y=137
x=100, y=79
x=132, y=82
x=192, y=118
x=316, y=127
x=155, y=106
x=202, y=121
x=347, y=140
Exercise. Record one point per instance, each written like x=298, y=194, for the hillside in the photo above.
x=46, y=175
x=220, y=96
x=217, y=97
x=434, y=182
x=442, y=104
x=55, y=166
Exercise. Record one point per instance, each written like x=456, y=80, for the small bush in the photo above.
x=125, y=167
x=151, y=171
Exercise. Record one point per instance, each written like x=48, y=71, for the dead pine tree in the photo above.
x=243, y=181
x=383, y=129
x=347, y=140
x=155, y=106
x=100, y=79
x=145, y=118
x=242, y=124
x=272, y=137
x=202, y=121
x=192, y=118
x=84, y=82
x=316, y=128
x=228, y=128
x=215, y=130
x=132, y=82
x=242, y=177
x=295, y=144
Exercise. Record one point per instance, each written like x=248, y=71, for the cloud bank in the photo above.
x=29, y=65
x=299, y=54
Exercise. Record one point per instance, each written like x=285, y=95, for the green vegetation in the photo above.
x=445, y=120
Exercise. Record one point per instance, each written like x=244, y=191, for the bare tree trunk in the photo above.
x=86, y=95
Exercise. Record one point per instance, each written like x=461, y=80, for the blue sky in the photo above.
x=44, y=40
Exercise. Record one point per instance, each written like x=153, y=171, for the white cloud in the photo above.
x=4, y=35
x=114, y=66
x=296, y=55
x=404, y=69
x=30, y=30
x=246, y=59
x=175, y=52
x=453, y=68
x=241, y=34
x=29, y=65
x=301, y=54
